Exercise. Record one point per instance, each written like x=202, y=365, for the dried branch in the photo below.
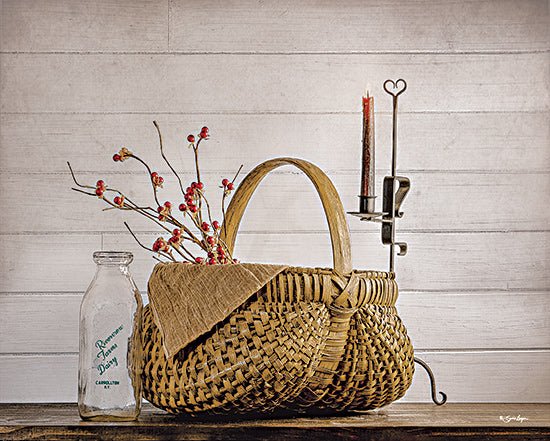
x=154, y=185
x=143, y=246
x=217, y=250
x=165, y=159
x=75, y=181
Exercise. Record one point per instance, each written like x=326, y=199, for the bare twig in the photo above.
x=165, y=159
x=196, y=152
x=224, y=197
x=131, y=155
x=207, y=208
x=74, y=179
x=237, y=174
x=82, y=191
x=143, y=246
x=192, y=257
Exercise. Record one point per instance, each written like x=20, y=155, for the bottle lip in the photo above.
x=113, y=257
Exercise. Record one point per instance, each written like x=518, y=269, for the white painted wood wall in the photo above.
x=80, y=79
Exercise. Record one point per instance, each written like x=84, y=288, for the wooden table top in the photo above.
x=397, y=421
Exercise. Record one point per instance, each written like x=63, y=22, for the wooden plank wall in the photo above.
x=80, y=79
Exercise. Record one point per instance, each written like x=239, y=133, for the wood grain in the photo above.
x=269, y=83
x=252, y=26
x=415, y=422
x=492, y=376
x=36, y=378
x=31, y=26
x=436, y=261
x=48, y=261
x=458, y=320
x=470, y=202
x=433, y=141
x=461, y=415
x=355, y=26
x=522, y=322
x=485, y=376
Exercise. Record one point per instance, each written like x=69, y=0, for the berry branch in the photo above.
x=207, y=236
x=164, y=157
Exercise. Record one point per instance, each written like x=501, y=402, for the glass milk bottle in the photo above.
x=109, y=364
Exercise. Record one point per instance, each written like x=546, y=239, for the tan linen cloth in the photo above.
x=189, y=300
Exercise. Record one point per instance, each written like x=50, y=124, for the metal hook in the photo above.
x=432, y=383
x=395, y=86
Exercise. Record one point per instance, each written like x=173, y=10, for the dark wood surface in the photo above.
x=452, y=421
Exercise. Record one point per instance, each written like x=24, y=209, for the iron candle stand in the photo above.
x=395, y=188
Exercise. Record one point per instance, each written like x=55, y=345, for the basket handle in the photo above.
x=334, y=211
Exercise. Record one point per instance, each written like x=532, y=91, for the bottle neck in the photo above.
x=113, y=258
x=112, y=268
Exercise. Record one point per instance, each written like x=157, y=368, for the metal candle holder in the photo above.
x=395, y=189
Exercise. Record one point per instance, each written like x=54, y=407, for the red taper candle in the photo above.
x=367, y=169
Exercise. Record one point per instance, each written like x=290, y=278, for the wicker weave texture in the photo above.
x=311, y=337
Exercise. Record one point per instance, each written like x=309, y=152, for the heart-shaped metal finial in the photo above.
x=396, y=89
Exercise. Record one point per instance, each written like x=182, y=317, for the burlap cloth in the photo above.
x=189, y=300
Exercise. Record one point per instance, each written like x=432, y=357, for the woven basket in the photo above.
x=312, y=340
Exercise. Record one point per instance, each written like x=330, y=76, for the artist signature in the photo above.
x=509, y=418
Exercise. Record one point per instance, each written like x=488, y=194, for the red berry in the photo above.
x=167, y=204
x=183, y=207
x=191, y=138
x=212, y=262
x=99, y=192
x=210, y=240
x=193, y=208
x=118, y=200
x=154, y=174
x=225, y=182
x=116, y=157
x=203, y=134
x=230, y=186
x=100, y=183
x=176, y=232
x=216, y=225
x=160, y=180
x=200, y=185
x=204, y=129
x=160, y=244
x=159, y=209
x=199, y=260
x=205, y=226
